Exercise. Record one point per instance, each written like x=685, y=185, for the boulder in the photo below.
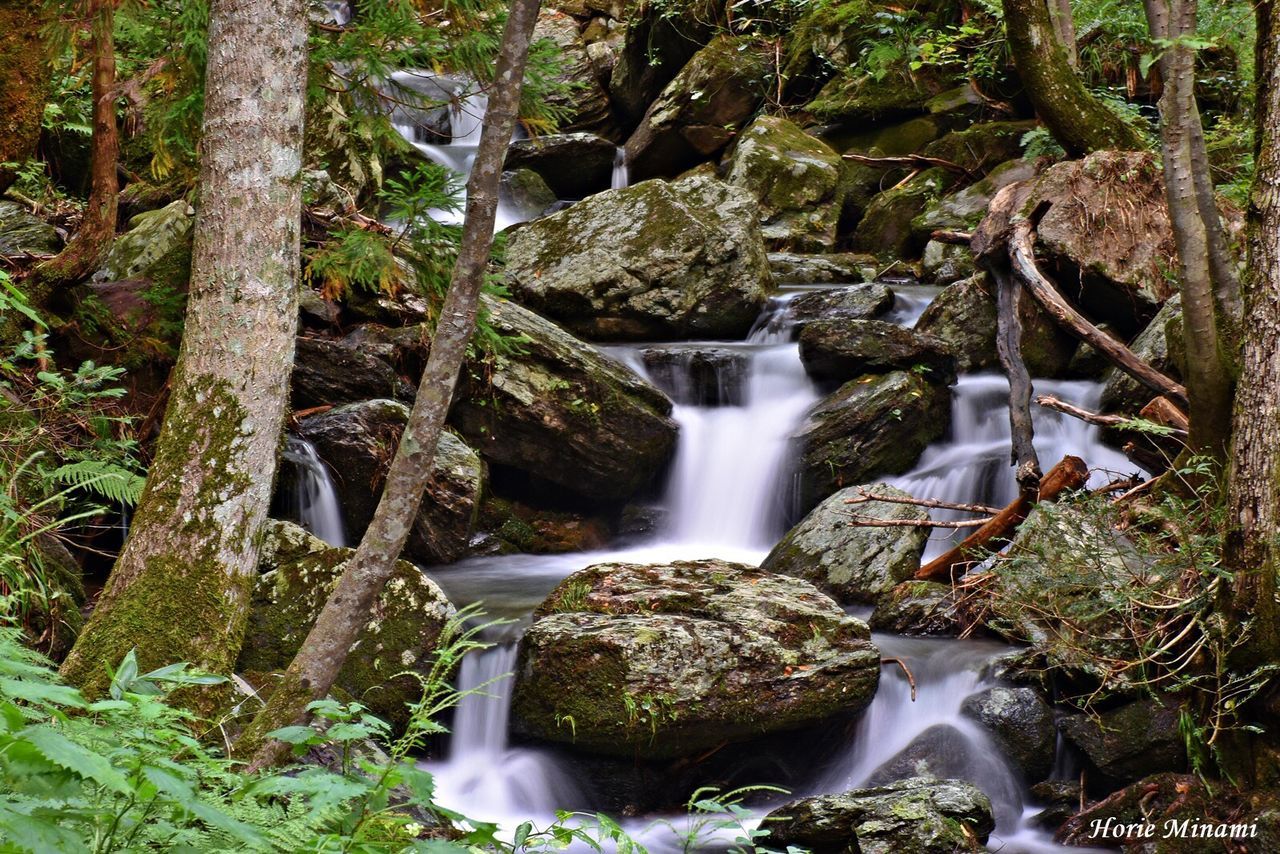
x=871, y=426
x=841, y=349
x=917, y=608
x=963, y=316
x=156, y=247
x=1127, y=743
x=573, y=164
x=1159, y=345
x=330, y=371
x=919, y=815
x=698, y=376
x=796, y=179
x=885, y=229
x=945, y=263
x=563, y=412
x=861, y=182
x=853, y=564
x=856, y=302
x=582, y=101
x=835, y=268
x=662, y=661
x=358, y=440
x=297, y=572
x=965, y=208
x=699, y=111
x=1022, y=725
x=527, y=193
x=979, y=147
x=656, y=260
x=858, y=98
x=516, y=527
x=942, y=752
x=22, y=232
x=657, y=43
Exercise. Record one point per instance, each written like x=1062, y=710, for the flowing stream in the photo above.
x=313, y=498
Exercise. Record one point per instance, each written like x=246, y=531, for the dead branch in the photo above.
x=1009, y=350
x=864, y=496
x=914, y=162
x=1070, y=473
x=872, y=522
x=1165, y=412
x=911, y=680
x=1022, y=256
x=955, y=238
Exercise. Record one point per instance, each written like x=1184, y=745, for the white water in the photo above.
x=314, y=499
x=621, y=171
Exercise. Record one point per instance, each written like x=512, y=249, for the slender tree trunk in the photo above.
x=1253, y=483
x=179, y=591
x=1208, y=375
x=24, y=82
x=1064, y=25
x=313, y=670
x=1079, y=121
x=98, y=228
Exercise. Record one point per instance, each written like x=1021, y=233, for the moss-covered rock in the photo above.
x=839, y=349
x=1159, y=345
x=652, y=261
x=885, y=228
x=871, y=426
x=1127, y=743
x=917, y=815
x=661, y=661
x=981, y=146
x=563, y=412
x=573, y=164
x=583, y=101
x=517, y=527
x=796, y=179
x=298, y=571
x=156, y=246
x=850, y=562
x=856, y=302
x=332, y=371
x=1022, y=725
x=699, y=111
x=527, y=193
x=964, y=209
x=358, y=440
x=657, y=43
x=21, y=232
x=918, y=608
x=945, y=263
x=835, y=268
x=861, y=182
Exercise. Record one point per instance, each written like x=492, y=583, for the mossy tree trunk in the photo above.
x=1207, y=304
x=1078, y=120
x=314, y=669
x=24, y=82
x=98, y=227
x=1253, y=483
x=180, y=590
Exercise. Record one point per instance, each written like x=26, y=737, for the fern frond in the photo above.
x=112, y=482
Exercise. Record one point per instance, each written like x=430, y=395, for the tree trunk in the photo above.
x=1209, y=384
x=1253, y=483
x=98, y=227
x=179, y=591
x=314, y=668
x=24, y=82
x=1064, y=26
x=1079, y=121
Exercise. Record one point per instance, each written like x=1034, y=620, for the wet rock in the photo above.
x=702, y=376
x=699, y=111
x=945, y=263
x=917, y=608
x=21, y=232
x=297, y=572
x=527, y=193
x=1159, y=345
x=980, y=147
x=1022, y=725
x=836, y=268
x=584, y=102
x=964, y=209
x=657, y=43
x=328, y=371
x=850, y=562
x=156, y=247
x=357, y=442
x=963, y=315
x=796, y=179
x=941, y=752
x=856, y=302
x=1127, y=743
x=661, y=661
x=655, y=260
x=537, y=531
x=885, y=228
x=640, y=521
x=563, y=412
x=1060, y=799
x=922, y=816
x=870, y=426
x=574, y=165
x=839, y=350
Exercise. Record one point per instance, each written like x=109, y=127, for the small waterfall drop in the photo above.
x=621, y=171
x=313, y=500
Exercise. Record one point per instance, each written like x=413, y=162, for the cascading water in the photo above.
x=313, y=499
x=621, y=172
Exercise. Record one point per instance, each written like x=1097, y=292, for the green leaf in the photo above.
x=64, y=753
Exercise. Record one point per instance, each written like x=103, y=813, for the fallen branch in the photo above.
x=1103, y=420
x=1070, y=473
x=911, y=680
x=910, y=161
x=1022, y=255
x=864, y=496
x=955, y=238
x=1009, y=350
x=1165, y=412
x=872, y=522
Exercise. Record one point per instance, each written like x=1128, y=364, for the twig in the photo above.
x=955, y=238
x=872, y=522
x=911, y=680
x=865, y=496
x=910, y=161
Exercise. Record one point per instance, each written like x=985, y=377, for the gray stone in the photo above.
x=917, y=608
x=841, y=349
x=829, y=269
x=1022, y=725
x=330, y=371
x=856, y=302
x=1130, y=742
x=157, y=247
x=573, y=164
x=21, y=232
x=1159, y=345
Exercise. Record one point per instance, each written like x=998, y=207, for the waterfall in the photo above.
x=313, y=499
x=621, y=172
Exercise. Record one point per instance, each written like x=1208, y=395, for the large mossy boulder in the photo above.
x=885, y=229
x=834, y=268
x=563, y=412
x=851, y=562
x=979, y=147
x=657, y=43
x=963, y=316
x=333, y=371
x=156, y=247
x=855, y=302
x=796, y=179
x=861, y=182
x=965, y=208
x=1127, y=743
x=582, y=100
x=653, y=261
x=573, y=164
x=840, y=349
x=699, y=111
x=662, y=661
x=917, y=815
x=358, y=440
x=297, y=573
x=1022, y=725
x=22, y=232
x=918, y=609
x=871, y=426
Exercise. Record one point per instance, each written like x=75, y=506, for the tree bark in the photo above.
x=98, y=227
x=1253, y=481
x=1064, y=26
x=24, y=82
x=314, y=669
x=1209, y=381
x=1009, y=351
x=180, y=589
x=1078, y=120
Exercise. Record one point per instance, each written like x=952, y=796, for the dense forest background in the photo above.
x=360, y=361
